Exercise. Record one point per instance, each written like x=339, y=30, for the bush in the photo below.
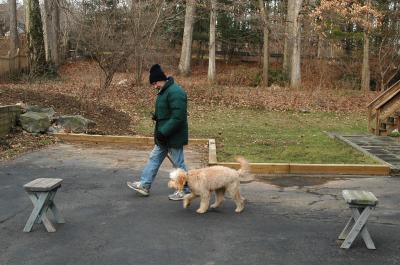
x=350, y=81
x=395, y=133
x=277, y=77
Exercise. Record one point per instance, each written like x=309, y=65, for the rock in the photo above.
x=304, y=111
x=35, y=122
x=75, y=123
x=22, y=105
x=123, y=82
x=48, y=111
x=56, y=129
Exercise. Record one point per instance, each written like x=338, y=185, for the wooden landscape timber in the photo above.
x=256, y=168
x=117, y=139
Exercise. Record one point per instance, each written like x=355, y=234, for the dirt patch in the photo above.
x=108, y=120
x=19, y=142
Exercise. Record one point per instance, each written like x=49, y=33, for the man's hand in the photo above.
x=153, y=116
x=161, y=139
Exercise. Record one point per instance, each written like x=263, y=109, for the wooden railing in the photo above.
x=387, y=104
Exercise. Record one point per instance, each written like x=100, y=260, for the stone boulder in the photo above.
x=35, y=122
x=48, y=111
x=75, y=123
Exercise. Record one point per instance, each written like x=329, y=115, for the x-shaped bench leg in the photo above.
x=42, y=202
x=356, y=225
x=51, y=206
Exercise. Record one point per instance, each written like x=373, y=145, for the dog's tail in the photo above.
x=244, y=171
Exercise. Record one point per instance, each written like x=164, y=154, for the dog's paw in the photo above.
x=239, y=210
x=213, y=206
x=186, y=203
x=201, y=211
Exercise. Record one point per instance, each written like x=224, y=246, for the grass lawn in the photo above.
x=265, y=136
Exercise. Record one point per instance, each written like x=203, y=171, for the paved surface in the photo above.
x=287, y=220
x=384, y=147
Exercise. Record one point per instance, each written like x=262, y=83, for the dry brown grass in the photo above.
x=120, y=111
x=80, y=80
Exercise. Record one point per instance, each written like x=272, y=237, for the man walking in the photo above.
x=170, y=132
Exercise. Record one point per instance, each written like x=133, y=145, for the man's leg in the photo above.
x=149, y=173
x=179, y=160
x=156, y=158
x=178, y=157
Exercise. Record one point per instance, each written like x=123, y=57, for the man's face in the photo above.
x=158, y=85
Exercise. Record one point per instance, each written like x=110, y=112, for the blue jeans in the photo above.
x=157, y=156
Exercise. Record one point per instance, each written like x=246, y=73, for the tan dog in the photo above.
x=202, y=182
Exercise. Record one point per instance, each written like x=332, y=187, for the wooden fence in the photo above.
x=8, y=118
x=12, y=64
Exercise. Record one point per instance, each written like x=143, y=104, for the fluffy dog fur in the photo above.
x=202, y=182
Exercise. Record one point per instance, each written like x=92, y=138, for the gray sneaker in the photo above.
x=138, y=187
x=177, y=196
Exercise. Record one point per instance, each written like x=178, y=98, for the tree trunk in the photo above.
x=46, y=15
x=55, y=33
x=139, y=69
x=295, y=63
x=365, y=73
x=52, y=29
x=264, y=19
x=26, y=14
x=12, y=4
x=211, y=57
x=288, y=36
x=320, y=48
x=186, y=54
x=37, y=56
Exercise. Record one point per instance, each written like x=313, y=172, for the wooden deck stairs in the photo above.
x=384, y=111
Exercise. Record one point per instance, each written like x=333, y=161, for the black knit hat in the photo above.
x=156, y=74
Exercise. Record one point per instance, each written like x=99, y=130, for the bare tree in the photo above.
x=264, y=22
x=116, y=35
x=12, y=4
x=360, y=14
x=186, y=54
x=52, y=31
x=388, y=60
x=55, y=41
x=211, y=57
x=288, y=42
x=26, y=16
x=295, y=37
x=365, y=72
x=37, y=58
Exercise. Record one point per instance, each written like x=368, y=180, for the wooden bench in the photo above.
x=42, y=191
x=361, y=204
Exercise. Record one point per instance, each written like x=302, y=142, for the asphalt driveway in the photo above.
x=295, y=221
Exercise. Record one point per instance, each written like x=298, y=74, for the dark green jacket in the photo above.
x=171, y=114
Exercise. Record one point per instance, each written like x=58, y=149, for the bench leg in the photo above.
x=41, y=202
x=346, y=229
x=56, y=213
x=52, y=206
x=364, y=231
x=46, y=222
x=34, y=197
x=38, y=204
x=360, y=221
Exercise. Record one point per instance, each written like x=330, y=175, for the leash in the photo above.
x=172, y=162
